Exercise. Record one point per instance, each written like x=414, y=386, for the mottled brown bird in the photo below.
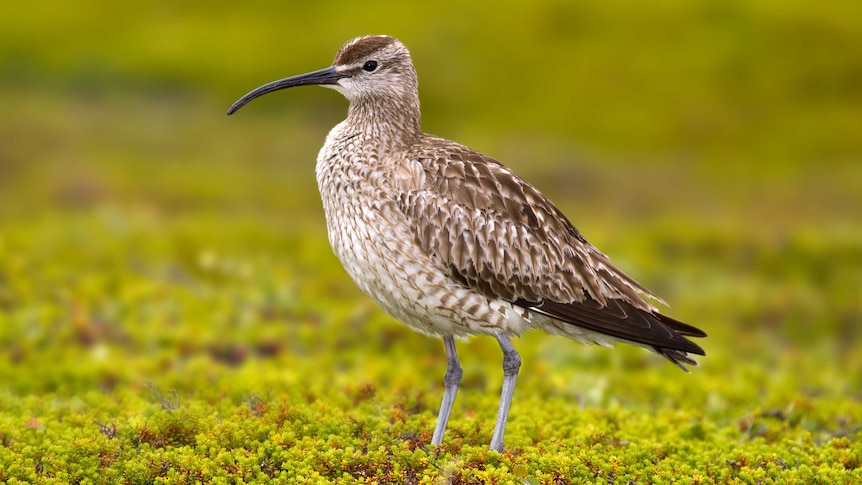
x=451, y=242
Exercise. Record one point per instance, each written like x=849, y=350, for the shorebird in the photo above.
x=454, y=244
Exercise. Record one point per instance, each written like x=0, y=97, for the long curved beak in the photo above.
x=323, y=76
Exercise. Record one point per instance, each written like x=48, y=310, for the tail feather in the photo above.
x=678, y=357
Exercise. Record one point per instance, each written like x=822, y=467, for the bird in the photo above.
x=453, y=243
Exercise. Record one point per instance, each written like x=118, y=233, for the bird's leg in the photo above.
x=511, y=365
x=451, y=382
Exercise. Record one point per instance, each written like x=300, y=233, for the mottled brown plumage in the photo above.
x=453, y=243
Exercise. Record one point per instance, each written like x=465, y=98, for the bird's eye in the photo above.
x=369, y=66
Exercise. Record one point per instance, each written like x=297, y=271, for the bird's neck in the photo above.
x=394, y=123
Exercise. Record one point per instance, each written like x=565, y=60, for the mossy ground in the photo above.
x=170, y=311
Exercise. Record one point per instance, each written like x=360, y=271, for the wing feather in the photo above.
x=479, y=217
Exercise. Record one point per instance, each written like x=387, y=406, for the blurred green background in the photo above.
x=712, y=148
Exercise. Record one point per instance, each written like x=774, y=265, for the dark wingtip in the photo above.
x=618, y=318
x=680, y=327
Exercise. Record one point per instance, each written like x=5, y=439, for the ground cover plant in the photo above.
x=170, y=311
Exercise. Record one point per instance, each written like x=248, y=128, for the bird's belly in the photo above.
x=374, y=243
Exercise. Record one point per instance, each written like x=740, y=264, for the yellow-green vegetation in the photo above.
x=170, y=311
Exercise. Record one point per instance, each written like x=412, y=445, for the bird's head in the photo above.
x=374, y=66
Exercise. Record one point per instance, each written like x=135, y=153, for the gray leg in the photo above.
x=511, y=365
x=451, y=382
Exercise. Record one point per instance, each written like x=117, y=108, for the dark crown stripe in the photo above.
x=361, y=48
